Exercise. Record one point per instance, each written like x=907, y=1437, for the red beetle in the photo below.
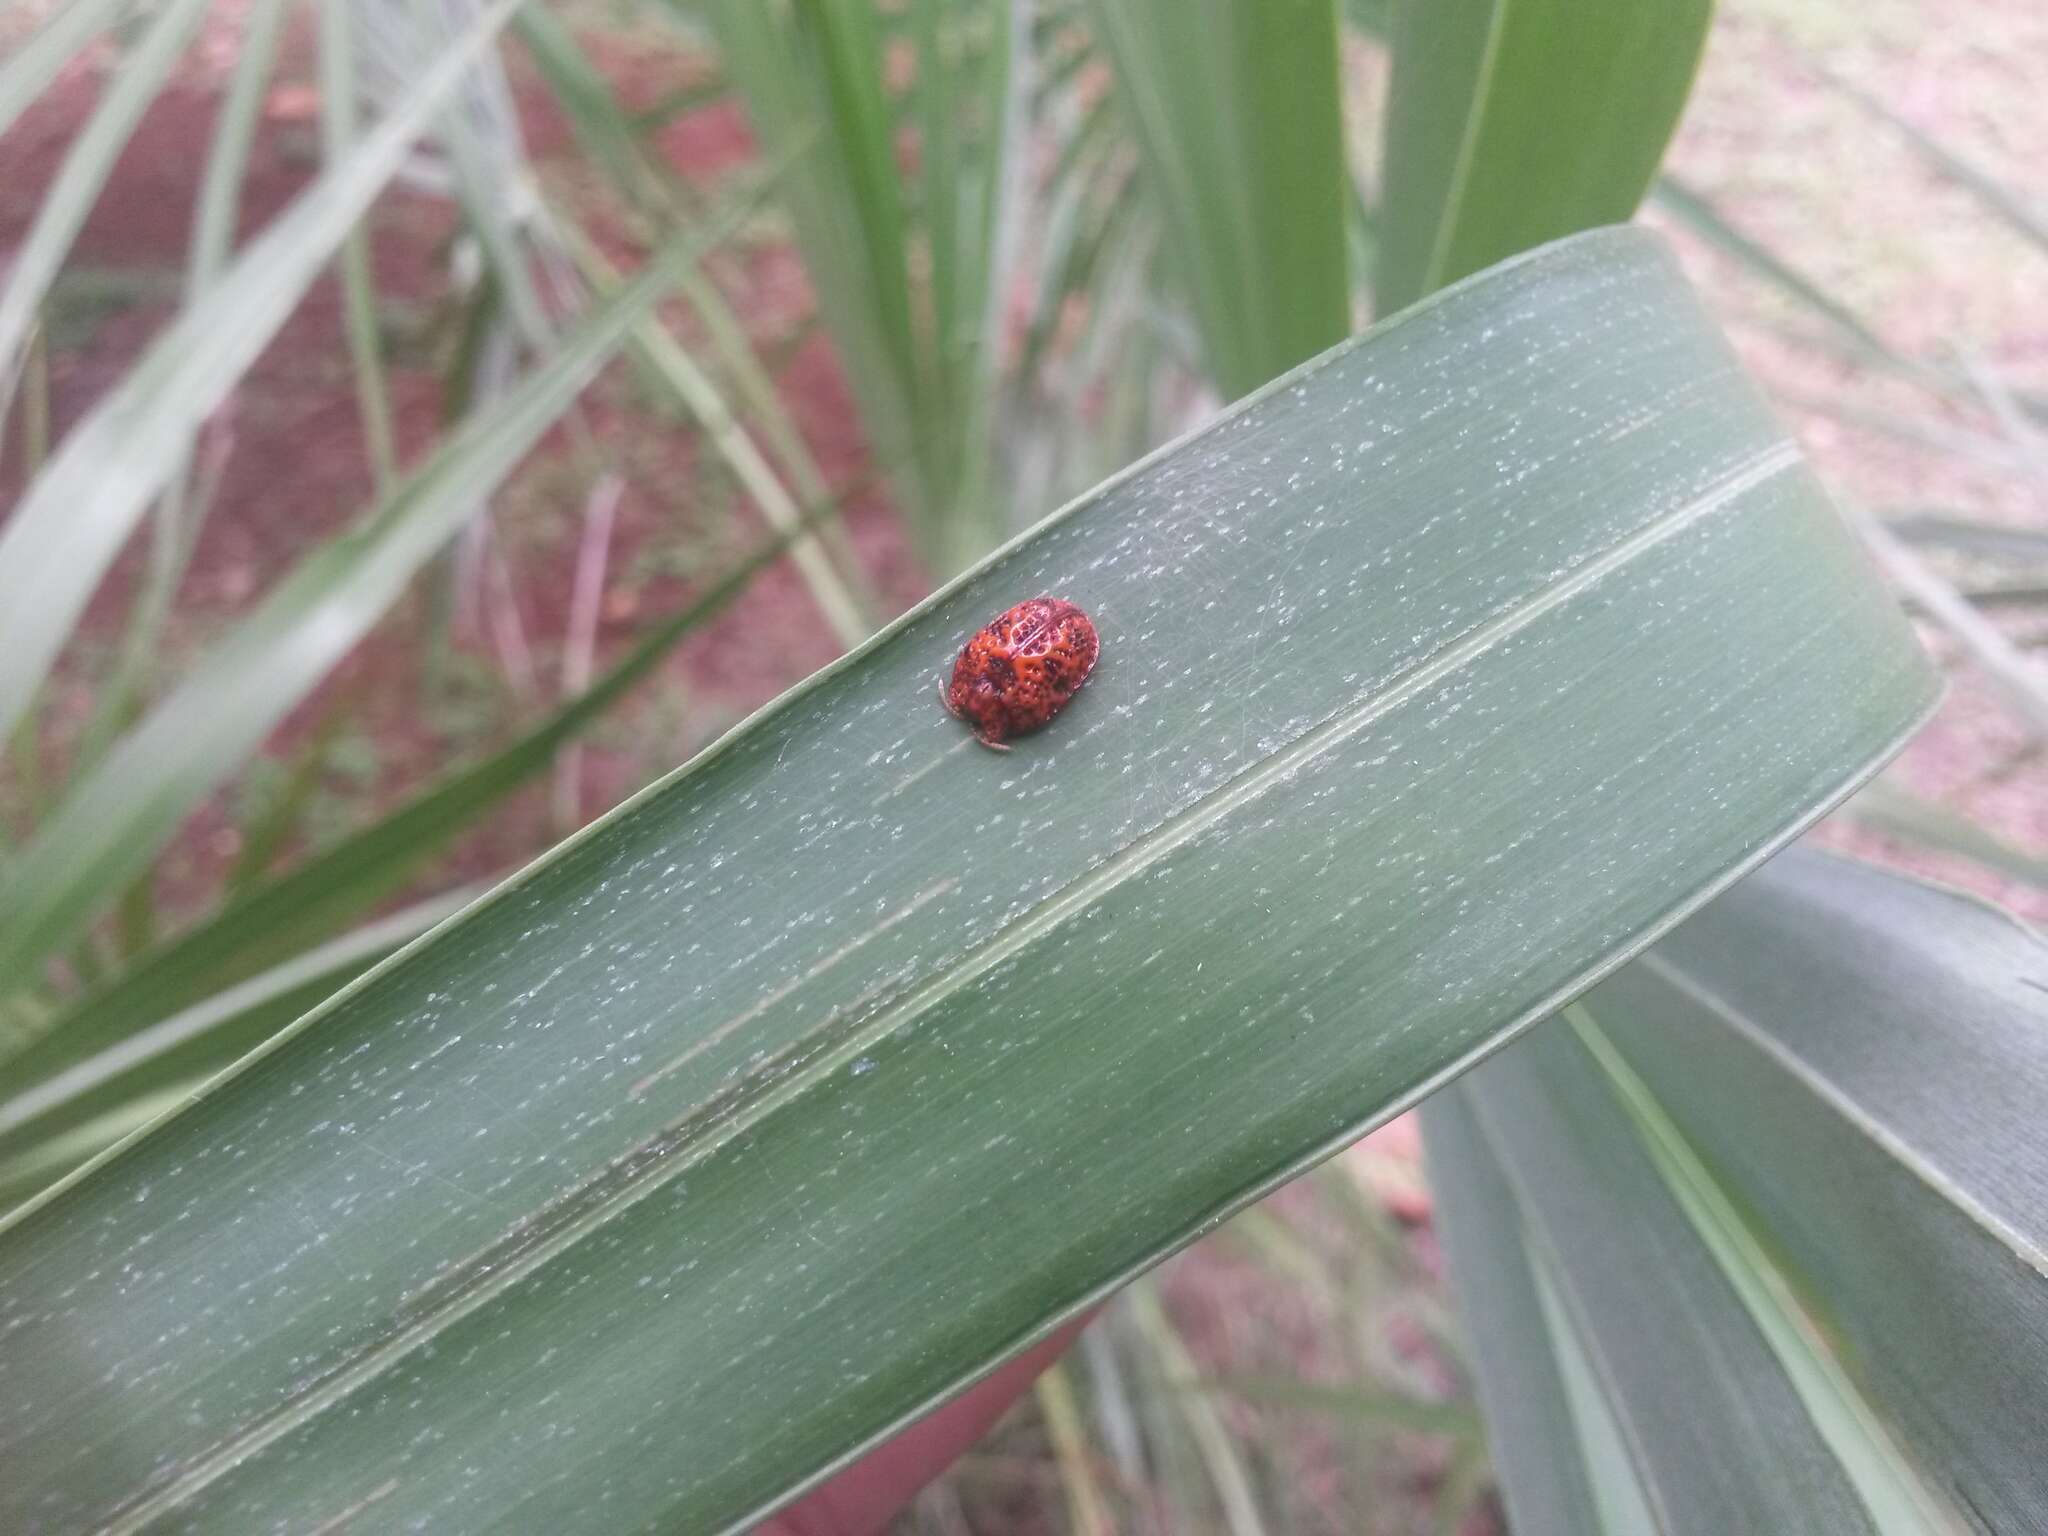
x=1019, y=671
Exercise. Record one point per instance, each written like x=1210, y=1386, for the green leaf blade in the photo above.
x=1539, y=1448
x=1513, y=122
x=1432, y=676
x=1237, y=116
x=1889, y=1041
x=1690, y=1378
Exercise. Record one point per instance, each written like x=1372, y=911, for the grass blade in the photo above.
x=478, y=134
x=76, y=515
x=1227, y=1473
x=114, y=820
x=1087, y=1509
x=1828, y=1062
x=906, y=275
x=269, y=825
x=78, y=181
x=1996, y=540
x=2019, y=429
x=1975, y=448
x=586, y=97
x=234, y=133
x=836, y=192
x=1697, y=212
x=51, y=1159
x=671, y=363
x=649, y=186
x=1851, y=1426
x=2015, y=676
x=358, y=290
x=579, y=634
x=1896, y=814
x=183, y=507
x=1700, y=1368
x=32, y=66
x=275, y=920
x=2022, y=213
x=1349, y=1402
x=1541, y=1449
x=40, y=1116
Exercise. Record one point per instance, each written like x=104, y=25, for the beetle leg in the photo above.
x=991, y=743
x=945, y=698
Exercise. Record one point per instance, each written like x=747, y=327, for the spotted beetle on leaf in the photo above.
x=1020, y=670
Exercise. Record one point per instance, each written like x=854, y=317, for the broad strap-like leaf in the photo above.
x=1437, y=679
x=1787, y=1167
x=1561, y=1465
x=1698, y=212
x=1512, y=122
x=1862, y=1060
x=1234, y=107
x=1724, y=1415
